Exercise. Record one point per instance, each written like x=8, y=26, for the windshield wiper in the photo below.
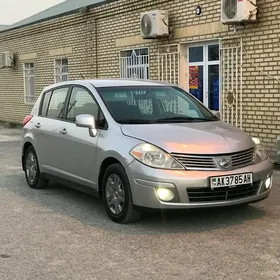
x=185, y=119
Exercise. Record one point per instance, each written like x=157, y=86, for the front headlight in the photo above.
x=154, y=157
x=260, y=152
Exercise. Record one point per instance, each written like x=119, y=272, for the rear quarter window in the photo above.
x=45, y=103
x=57, y=102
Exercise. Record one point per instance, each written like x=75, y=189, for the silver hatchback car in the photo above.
x=140, y=145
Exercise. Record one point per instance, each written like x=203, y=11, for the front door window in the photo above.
x=204, y=77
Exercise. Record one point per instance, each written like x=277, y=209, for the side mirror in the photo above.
x=87, y=121
x=217, y=114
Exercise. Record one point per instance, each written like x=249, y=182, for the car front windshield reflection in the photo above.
x=153, y=104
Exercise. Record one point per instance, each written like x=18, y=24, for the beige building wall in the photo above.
x=261, y=51
x=41, y=44
x=94, y=40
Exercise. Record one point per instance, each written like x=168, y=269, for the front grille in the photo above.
x=211, y=162
x=222, y=194
x=196, y=162
x=243, y=158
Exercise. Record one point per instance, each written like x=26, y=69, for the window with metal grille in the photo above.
x=61, y=70
x=29, y=89
x=134, y=64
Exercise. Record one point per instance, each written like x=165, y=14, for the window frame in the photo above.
x=43, y=99
x=100, y=112
x=66, y=104
x=61, y=67
x=42, y=103
x=191, y=97
x=24, y=82
x=123, y=54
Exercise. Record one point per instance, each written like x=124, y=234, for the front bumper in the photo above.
x=144, y=181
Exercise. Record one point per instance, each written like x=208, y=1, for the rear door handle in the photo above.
x=63, y=131
x=37, y=125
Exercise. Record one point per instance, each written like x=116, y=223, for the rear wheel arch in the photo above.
x=32, y=170
x=25, y=148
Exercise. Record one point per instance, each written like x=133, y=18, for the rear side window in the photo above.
x=46, y=102
x=56, y=104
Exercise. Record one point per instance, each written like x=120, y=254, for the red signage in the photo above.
x=193, y=77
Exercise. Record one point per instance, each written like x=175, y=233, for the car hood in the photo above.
x=192, y=138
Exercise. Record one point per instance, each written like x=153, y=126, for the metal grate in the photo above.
x=168, y=63
x=231, y=82
x=197, y=162
x=222, y=194
x=134, y=64
x=243, y=158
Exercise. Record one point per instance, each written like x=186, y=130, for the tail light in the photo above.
x=26, y=120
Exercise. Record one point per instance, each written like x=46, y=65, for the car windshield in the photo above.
x=153, y=104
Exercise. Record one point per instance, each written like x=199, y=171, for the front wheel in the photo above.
x=32, y=170
x=117, y=196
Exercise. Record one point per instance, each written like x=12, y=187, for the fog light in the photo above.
x=268, y=183
x=165, y=194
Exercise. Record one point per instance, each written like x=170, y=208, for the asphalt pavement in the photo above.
x=59, y=233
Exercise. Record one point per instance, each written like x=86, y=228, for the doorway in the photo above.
x=203, y=60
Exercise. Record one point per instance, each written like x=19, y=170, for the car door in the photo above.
x=79, y=148
x=48, y=133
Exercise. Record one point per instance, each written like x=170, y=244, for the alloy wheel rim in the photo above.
x=31, y=168
x=115, y=196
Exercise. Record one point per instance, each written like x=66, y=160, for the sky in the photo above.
x=12, y=11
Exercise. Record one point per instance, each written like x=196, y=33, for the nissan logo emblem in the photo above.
x=225, y=163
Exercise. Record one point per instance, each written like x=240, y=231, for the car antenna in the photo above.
x=82, y=76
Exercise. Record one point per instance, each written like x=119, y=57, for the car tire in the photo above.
x=32, y=171
x=119, y=206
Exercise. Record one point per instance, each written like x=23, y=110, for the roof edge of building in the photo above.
x=10, y=28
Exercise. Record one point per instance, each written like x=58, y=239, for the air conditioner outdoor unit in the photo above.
x=238, y=11
x=154, y=24
x=6, y=59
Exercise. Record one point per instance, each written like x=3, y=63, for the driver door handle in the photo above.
x=63, y=131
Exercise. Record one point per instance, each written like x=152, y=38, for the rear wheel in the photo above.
x=32, y=170
x=117, y=196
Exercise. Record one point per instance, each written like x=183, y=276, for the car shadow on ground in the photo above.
x=89, y=210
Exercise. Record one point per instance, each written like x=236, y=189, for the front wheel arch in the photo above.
x=104, y=166
x=129, y=212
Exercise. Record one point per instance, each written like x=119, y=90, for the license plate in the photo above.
x=231, y=180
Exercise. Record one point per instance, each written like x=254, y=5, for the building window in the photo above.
x=134, y=64
x=61, y=70
x=204, y=73
x=29, y=89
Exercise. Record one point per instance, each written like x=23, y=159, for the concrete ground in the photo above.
x=59, y=233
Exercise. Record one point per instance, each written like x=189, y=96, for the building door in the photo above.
x=203, y=62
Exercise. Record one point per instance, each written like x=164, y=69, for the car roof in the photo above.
x=125, y=82
x=109, y=83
